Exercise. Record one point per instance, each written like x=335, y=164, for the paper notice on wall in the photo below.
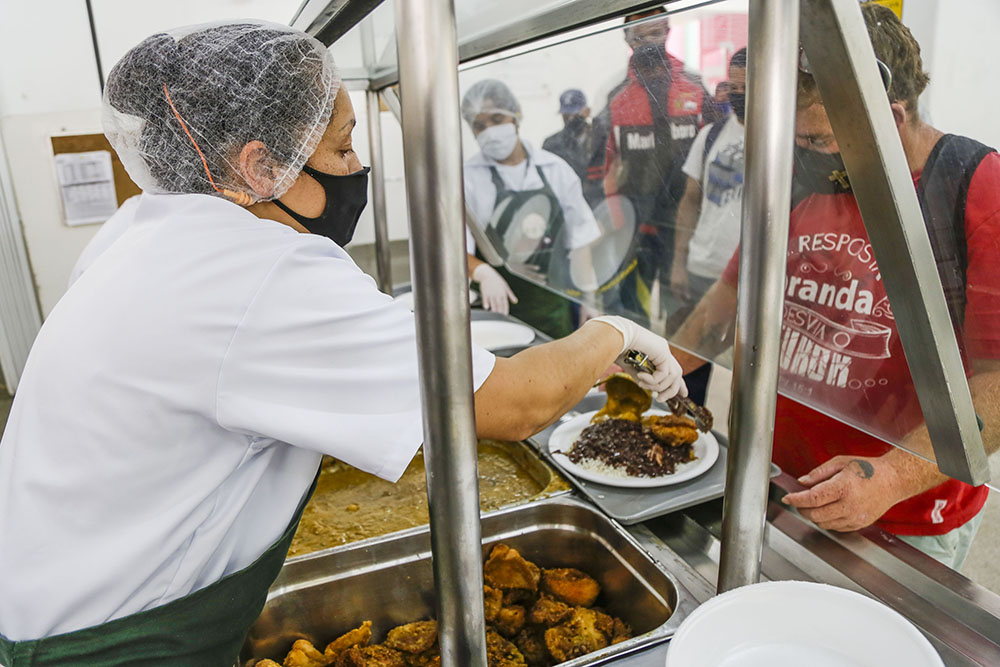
x=88, y=186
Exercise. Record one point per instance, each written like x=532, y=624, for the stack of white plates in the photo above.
x=797, y=624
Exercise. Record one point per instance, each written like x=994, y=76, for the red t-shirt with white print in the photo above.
x=841, y=352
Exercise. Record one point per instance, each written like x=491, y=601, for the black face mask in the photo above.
x=346, y=198
x=576, y=124
x=738, y=101
x=650, y=56
x=820, y=173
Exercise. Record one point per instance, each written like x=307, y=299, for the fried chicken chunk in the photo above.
x=519, y=596
x=577, y=636
x=425, y=659
x=304, y=654
x=371, y=656
x=510, y=620
x=413, y=637
x=502, y=653
x=620, y=631
x=573, y=587
x=359, y=636
x=671, y=429
x=506, y=569
x=492, y=601
x=531, y=642
x=266, y=663
x=548, y=611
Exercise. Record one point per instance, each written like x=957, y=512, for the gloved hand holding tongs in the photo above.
x=647, y=358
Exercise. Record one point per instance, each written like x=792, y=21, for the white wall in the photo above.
x=959, y=47
x=49, y=86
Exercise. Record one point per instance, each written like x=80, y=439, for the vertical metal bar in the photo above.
x=97, y=48
x=428, y=56
x=843, y=62
x=383, y=259
x=771, y=82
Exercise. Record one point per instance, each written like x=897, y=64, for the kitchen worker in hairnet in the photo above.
x=530, y=201
x=177, y=402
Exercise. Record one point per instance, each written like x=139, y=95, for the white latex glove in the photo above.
x=493, y=289
x=667, y=381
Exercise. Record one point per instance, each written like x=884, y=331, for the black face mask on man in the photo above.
x=738, y=102
x=346, y=198
x=576, y=124
x=820, y=173
x=650, y=56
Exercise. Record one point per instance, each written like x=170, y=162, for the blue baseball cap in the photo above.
x=572, y=101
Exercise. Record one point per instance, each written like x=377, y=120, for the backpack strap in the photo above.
x=713, y=133
x=942, y=192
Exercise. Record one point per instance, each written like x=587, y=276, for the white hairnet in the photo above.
x=490, y=96
x=180, y=106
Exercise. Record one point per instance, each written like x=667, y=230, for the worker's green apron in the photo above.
x=204, y=629
x=546, y=311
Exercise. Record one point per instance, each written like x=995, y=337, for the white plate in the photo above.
x=407, y=298
x=497, y=334
x=794, y=624
x=706, y=449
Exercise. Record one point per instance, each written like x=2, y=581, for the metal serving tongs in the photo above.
x=679, y=405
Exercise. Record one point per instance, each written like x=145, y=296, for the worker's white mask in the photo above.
x=499, y=141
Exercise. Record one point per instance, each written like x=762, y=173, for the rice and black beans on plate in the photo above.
x=652, y=447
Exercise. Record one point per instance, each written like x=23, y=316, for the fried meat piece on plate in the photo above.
x=510, y=620
x=531, y=642
x=304, y=654
x=413, y=637
x=360, y=636
x=572, y=586
x=371, y=656
x=548, y=611
x=577, y=636
x=492, y=601
x=671, y=430
x=506, y=569
x=266, y=663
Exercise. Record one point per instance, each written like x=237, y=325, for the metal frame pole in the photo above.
x=842, y=60
x=383, y=260
x=383, y=257
x=770, y=117
x=428, y=55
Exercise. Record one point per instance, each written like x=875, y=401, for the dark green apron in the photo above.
x=541, y=308
x=204, y=629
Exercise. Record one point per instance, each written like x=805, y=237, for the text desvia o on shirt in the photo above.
x=262, y=364
x=481, y=193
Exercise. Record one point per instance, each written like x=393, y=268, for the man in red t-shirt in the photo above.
x=840, y=350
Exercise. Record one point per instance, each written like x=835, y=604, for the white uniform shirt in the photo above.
x=105, y=237
x=481, y=194
x=717, y=233
x=176, y=404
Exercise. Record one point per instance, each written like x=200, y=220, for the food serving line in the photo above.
x=663, y=566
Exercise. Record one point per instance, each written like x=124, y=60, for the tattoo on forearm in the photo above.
x=865, y=469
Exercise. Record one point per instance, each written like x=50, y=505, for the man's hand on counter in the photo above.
x=849, y=492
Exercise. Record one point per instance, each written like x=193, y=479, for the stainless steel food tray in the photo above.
x=631, y=506
x=389, y=580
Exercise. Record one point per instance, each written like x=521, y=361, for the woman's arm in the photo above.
x=531, y=390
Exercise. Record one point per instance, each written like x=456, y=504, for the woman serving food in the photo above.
x=177, y=402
